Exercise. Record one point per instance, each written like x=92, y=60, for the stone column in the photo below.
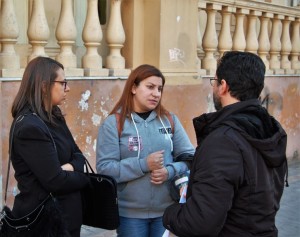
x=286, y=45
x=199, y=50
x=9, y=32
x=225, y=39
x=251, y=40
x=295, y=53
x=167, y=41
x=92, y=36
x=115, y=38
x=66, y=35
x=275, y=44
x=38, y=30
x=239, y=41
x=210, y=39
x=263, y=40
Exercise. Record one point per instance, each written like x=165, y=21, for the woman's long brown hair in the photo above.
x=125, y=104
x=35, y=89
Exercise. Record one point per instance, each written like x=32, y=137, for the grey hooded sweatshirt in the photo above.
x=124, y=158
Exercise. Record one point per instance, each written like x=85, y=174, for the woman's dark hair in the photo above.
x=35, y=89
x=244, y=73
x=125, y=103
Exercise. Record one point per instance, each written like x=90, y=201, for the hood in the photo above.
x=254, y=123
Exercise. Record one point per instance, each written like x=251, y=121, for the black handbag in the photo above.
x=100, y=201
x=45, y=220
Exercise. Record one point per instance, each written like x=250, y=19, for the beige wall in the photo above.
x=90, y=101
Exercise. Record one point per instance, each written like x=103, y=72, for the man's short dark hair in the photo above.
x=244, y=73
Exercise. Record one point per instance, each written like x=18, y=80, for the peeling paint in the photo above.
x=88, y=140
x=176, y=55
x=95, y=144
x=83, y=103
x=105, y=112
x=83, y=122
x=96, y=119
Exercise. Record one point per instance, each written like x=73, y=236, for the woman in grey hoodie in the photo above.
x=142, y=146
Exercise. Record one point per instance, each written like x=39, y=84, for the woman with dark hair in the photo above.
x=140, y=144
x=44, y=154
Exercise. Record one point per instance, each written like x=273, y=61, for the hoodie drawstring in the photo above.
x=138, y=136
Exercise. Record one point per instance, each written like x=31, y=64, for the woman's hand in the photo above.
x=159, y=176
x=67, y=167
x=156, y=160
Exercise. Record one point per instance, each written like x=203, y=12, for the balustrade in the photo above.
x=271, y=31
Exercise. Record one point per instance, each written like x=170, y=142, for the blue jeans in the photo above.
x=133, y=227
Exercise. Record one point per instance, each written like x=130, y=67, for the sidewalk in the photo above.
x=288, y=217
x=287, y=220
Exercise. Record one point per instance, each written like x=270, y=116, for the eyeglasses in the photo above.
x=211, y=80
x=64, y=83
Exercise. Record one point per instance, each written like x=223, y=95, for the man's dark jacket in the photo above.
x=237, y=176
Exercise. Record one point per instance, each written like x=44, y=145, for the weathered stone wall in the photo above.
x=90, y=101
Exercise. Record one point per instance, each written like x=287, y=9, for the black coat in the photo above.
x=237, y=175
x=37, y=164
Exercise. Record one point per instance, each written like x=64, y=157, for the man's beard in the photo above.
x=217, y=102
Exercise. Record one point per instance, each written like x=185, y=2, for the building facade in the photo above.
x=100, y=41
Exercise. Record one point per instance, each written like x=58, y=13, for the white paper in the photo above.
x=182, y=200
x=183, y=194
x=166, y=233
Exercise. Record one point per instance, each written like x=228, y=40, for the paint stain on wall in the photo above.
x=96, y=119
x=83, y=103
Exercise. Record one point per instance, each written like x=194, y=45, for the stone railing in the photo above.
x=66, y=35
x=271, y=31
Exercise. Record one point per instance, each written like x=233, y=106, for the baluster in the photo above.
x=263, y=39
x=275, y=44
x=225, y=39
x=286, y=46
x=251, y=40
x=115, y=40
x=92, y=36
x=38, y=30
x=239, y=41
x=199, y=42
x=210, y=40
x=200, y=71
x=66, y=35
x=295, y=53
x=9, y=32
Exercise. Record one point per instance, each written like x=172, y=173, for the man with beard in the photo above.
x=237, y=176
